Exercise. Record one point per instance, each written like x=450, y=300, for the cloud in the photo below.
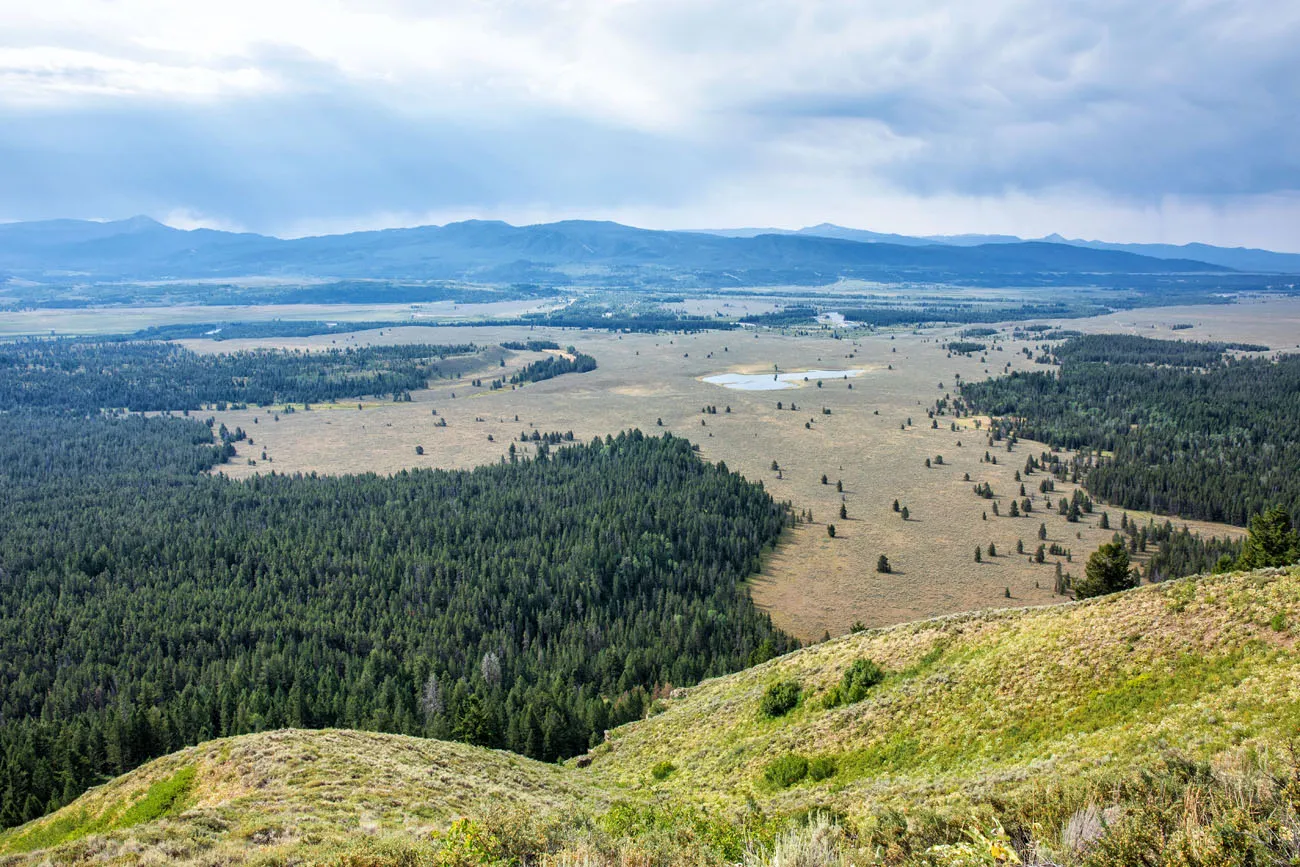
x=284, y=115
x=43, y=75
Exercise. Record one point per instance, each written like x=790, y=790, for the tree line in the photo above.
x=884, y=316
x=1131, y=349
x=1164, y=428
x=152, y=376
x=553, y=366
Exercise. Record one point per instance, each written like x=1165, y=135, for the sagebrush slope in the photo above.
x=992, y=700
x=292, y=791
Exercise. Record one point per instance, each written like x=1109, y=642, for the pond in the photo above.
x=777, y=381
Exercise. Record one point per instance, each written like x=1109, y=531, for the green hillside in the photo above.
x=1151, y=726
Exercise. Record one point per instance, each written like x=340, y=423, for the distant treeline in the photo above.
x=886, y=316
x=784, y=317
x=1181, y=552
x=385, y=292
x=618, y=321
x=1130, y=349
x=262, y=329
x=530, y=345
x=295, y=328
x=553, y=366
x=1171, y=427
x=528, y=605
x=596, y=319
x=338, y=292
x=145, y=377
x=965, y=347
x=923, y=313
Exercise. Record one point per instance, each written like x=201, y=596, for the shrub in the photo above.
x=786, y=771
x=821, y=768
x=780, y=698
x=663, y=770
x=861, y=676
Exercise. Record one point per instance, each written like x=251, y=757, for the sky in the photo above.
x=1118, y=120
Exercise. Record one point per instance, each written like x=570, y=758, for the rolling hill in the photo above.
x=1146, y=727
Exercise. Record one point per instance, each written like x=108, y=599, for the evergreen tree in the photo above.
x=1107, y=571
x=1272, y=541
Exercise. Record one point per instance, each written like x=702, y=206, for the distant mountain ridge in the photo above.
x=490, y=251
x=1236, y=258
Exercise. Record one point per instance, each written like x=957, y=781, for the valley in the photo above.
x=461, y=434
x=812, y=584
x=853, y=508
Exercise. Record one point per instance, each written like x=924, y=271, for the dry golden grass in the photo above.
x=293, y=793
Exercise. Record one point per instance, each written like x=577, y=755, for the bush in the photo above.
x=861, y=676
x=786, y=771
x=780, y=698
x=663, y=770
x=821, y=768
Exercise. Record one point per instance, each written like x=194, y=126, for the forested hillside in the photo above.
x=145, y=606
x=1166, y=426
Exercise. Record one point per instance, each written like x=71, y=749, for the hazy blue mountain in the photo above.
x=141, y=248
x=1237, y=258
x=969, y=240
x=830, y=230
x=136, y=247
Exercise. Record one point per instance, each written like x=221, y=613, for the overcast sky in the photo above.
x=1141, y=121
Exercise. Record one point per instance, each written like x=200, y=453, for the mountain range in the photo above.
x=141, y=248
x=1237, y=258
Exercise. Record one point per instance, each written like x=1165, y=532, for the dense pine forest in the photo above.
x=1167, y=426
x=144, y=377
x=1130, y=349
x=528, y=605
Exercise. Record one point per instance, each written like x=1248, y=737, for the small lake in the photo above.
x=777, y=381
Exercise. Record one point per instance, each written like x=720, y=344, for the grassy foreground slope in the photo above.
x=1168, y=709
x=991, y=703
x=294, y=794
